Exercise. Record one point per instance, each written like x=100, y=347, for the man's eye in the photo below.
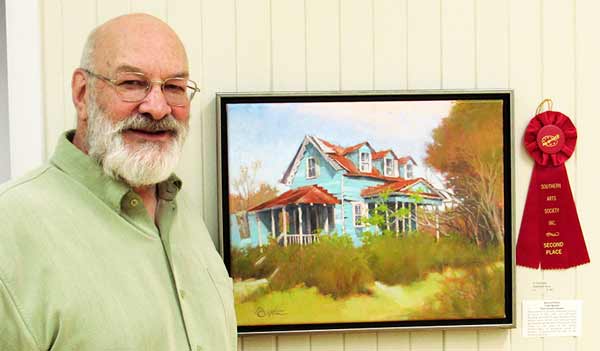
x=133, y=84
x=174, y=88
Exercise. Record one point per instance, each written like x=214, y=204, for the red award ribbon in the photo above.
x=550, y=233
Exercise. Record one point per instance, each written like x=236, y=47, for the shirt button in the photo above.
x=182, y=294
x=134, y=202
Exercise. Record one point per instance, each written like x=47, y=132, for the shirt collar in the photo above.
x=89, y=173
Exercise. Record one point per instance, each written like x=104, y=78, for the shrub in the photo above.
x=253, y=262
x=333, y=265
x=479, y=293
x=400, y=260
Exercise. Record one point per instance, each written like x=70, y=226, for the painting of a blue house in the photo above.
x=330, y=189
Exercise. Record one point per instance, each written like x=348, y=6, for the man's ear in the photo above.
x=78, y=92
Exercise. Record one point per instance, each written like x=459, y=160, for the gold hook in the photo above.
x=538, y=110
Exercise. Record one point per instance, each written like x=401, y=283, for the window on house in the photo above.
x=312, y=168
x=365, y=162
x=401, y=172
x=389, y=167
x=359, y=210
x=409, y=171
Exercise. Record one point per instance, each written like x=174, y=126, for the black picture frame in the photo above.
x=241, y=115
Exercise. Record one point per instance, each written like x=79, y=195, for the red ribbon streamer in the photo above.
x=550, y=234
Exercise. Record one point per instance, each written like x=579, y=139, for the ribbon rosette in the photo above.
x=550, y=234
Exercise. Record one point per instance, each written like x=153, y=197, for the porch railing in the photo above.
x=297, y=239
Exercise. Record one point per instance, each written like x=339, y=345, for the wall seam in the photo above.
x=305, y=46
x=373, y=66
x=340, y=46
x=476, y=44
x=271, y=70
x=441, y=33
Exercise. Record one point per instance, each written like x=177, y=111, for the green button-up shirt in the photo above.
x=84, y=267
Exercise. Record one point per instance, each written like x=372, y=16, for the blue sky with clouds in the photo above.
x=273, y=132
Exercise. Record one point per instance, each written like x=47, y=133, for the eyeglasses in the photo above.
x=135, y=86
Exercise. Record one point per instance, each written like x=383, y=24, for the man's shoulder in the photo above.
x=24, y=184
x=29, y=190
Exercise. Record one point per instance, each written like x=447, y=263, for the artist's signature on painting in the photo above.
x=264, y=313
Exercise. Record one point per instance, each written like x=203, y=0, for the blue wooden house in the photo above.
x=331, y=189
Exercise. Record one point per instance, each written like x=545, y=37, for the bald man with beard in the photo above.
x=99, y=249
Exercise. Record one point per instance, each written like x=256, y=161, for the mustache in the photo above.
x=148, y=124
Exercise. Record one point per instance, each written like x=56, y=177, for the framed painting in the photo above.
x=367, y=210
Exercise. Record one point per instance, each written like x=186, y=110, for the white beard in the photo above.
x=138, y=164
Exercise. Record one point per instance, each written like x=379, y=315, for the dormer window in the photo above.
x=409, y=171
x=365, y=162
x=401, y=171
x=389, y=168
x=312, y=168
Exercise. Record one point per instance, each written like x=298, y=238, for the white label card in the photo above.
x=552, y=318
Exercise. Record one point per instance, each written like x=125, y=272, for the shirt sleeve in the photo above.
x=14, y=333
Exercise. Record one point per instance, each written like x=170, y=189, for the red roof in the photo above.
x=397, y=186
x=380, y=154
x=339, y=157
x=310, y=194
x=405, y=159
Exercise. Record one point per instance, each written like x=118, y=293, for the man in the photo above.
x=98, y=250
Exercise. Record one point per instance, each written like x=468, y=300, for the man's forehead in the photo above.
x=130, y=68
x=142, y=43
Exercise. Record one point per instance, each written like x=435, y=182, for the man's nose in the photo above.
x=155, y=103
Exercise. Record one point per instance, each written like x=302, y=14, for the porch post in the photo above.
x=326, y=218
x=284, y=226
x=300, y=222
x=387, y=218
x=397, y=223
x=437, y=223
x=258, y=224
x=272, y=223
x=416, y=223
x=403, y=220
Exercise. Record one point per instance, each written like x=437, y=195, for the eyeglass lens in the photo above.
x=133, y=87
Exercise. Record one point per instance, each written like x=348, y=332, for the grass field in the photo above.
x=300, y=305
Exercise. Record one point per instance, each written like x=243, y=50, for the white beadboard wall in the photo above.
x=539, y=48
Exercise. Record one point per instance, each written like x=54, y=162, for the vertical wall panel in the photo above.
x=424, y=67
x=494, y=340
x=558, y=62
x=254, y=45
x=458, y=44
x=157, y=8
x=492, y=44
x=260, y=343
x=52, y=49
x=360, y=342
x=460, y=340
x=218, y=74
x=356, y=18
x=426, y=341
x=322, y=44
x=293, y=343
x=289, y=45
x=389, y=47
x=327, y=342
x=525, y=79
x=185, y=17
x=588, y=125
x=393, y=341
x=107, y=9
x=80, y=14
